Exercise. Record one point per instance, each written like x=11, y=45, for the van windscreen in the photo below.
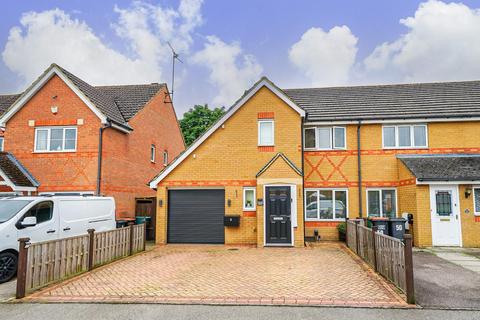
x=9, y=208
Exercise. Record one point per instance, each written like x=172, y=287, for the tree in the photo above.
x=197, y=120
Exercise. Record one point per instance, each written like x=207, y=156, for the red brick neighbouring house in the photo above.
x=56, y=130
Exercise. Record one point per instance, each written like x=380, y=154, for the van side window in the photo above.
x=43, y=211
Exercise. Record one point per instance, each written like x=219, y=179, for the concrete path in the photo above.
x=199, y=312
x=467, y=258
x=442, y=284
x=7, y=290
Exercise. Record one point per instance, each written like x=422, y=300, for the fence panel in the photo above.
x=53, y=260
x=352, y=235
x=365, y=244
x=110, y=245
x=138, y=238
x=391, y=259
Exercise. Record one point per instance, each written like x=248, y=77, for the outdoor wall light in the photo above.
x=160, y=203
x=229, y=202
x=468, y=192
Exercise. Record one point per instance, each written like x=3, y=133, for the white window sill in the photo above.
x=336, y=149
x=250, y=209
x=266, y=145
x=404, y=148
x=62, y=151
x=325, y=220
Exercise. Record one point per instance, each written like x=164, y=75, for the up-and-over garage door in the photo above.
x=196, y=216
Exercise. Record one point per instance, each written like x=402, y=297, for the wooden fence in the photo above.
x=44, y=263
x=389, y=256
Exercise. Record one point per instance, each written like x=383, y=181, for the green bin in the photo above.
x=140, y=220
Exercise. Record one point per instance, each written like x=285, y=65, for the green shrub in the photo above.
x=342, y=227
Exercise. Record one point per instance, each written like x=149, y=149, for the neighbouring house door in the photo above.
x=445, y=213
x=278, y=214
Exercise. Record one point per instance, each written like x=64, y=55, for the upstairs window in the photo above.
x=55, y=139
x=325, y=138
x=405, y=136
x=1, y=143
x=266, y=133
x=165, y=157
x=152, y=153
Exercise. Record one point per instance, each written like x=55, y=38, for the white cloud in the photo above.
x=231, y=71
x=442, y=43
x=325, y=57
x=54, y=36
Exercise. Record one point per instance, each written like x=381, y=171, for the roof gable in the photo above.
x=274, y=160
x=263, y=82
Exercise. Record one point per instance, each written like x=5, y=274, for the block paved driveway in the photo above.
x=323, y=275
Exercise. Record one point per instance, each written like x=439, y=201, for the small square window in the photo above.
x=389, y=136
x=310, y=137
x=324, y=138
x=266, y=133
x=404, y=139
x=249, y=199
x=339, y=138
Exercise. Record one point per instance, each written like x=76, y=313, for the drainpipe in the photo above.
x=100, y=151
x=359, y=165
x=303, y=178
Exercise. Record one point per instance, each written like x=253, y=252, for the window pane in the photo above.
x=165, y=158
x=340, y=204
x=249, y=199
x=420, y=136
x=324, y=138
x=56, y=139
x=1, y=144
x=374, y=203
x=444, y=203
x=476, y=194
x=70, y=139
x=339, y=135
x=266, y=133
x=310, y=138
x=389, y=136
x=388, y=203
x=326, y=204
x=311, y=206
x=404, y=136
x=42, y=136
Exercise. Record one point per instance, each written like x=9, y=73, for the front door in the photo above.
x=278, y=214
x=445, y=212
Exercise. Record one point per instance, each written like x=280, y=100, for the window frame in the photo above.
x=165, y=157
x=380, y=198
x=2, y=142
x=317, y=190
x=260, y=144
x=474, y=188
x=412, y=136
x=245, y=189
x=153, y=153
x=332, y=138
x=49, y=133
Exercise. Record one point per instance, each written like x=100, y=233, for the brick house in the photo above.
x=64, y=135
x=283, y=166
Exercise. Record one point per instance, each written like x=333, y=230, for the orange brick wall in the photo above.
x=126, y=157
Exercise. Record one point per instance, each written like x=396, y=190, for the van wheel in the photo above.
x=8, y=266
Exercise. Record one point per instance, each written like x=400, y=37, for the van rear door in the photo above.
x=47, y=227
x=79, y=215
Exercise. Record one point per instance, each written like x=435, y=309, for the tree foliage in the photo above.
x=197, y=120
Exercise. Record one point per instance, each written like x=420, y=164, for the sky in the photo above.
x=226, y=46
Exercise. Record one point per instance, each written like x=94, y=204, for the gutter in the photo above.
x=100, y=151
x=359, y=170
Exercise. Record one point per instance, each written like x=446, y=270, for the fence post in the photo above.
x=22, y=267
x=91, y=248
x=356, y=238
x=144, y=235
x=131, y=240
x=374, y=234
x=410, y=289
x=346, y=231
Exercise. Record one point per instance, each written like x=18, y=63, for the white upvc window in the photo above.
x=476, y=200
x=405, y=136
x=153, y=151
x=1, y=143
x=249, y=199
x=55, y=139
x=325, y=138
x=266, y=133
x=382, y=202
x=326, y=204
x=165, y=157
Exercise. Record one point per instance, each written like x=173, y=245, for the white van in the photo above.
x=44, y=218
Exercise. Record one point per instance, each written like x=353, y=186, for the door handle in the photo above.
x=67, y=229
x=51, y=231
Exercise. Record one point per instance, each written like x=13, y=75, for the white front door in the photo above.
x=445, y=212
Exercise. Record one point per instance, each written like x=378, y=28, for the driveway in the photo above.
x=325, y=275
x=443, y=284
x=7, y=290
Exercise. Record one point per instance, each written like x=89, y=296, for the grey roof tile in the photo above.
x=15, y=171
x=443, y=167
x=6, y=100
x=380, y=102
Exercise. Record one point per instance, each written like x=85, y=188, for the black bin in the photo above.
x=396, y=227
x=380, y=223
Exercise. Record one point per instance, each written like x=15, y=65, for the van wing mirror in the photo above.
x=29, y=222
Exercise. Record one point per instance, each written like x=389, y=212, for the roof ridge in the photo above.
x=130, y=85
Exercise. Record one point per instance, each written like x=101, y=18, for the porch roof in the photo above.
x=14, y=173
x=443, y=167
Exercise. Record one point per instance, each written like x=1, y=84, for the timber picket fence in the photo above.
x=44, y=263
x=390, y=257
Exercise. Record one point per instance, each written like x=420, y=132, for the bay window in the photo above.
x=381, y=203
x=405, y=136
x=55, y=139
x=324, y=138
x=325, y=204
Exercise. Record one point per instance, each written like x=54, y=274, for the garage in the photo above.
x=196, y=216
